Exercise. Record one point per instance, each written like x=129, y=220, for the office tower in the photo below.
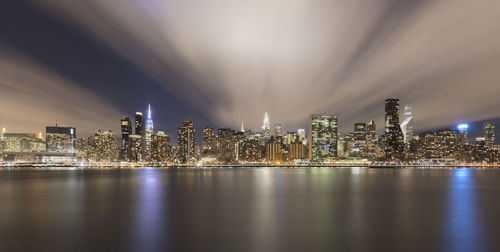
x=278, y=130
x=186, y=143
x=139, y=124
x=135, y=148
x=209, y=143
x=289, y=137
x=126, y=128
x=83, y=150
x=266, y=128
x=407, y=126
x=322, y=137
x=296, y=149
x=160, y=147
x=340, y=145
x=393, y=138
x=371, y=140
x=489, y=133
x=463, y=129
x=226, y=146
x=359, y=149
x=147, y=136
x=16, y=142
x=273, y=150
x=238, y=139
x=348, y=140
x=251, y=151
x=302, y=135
x=60, y=139
x=105, y=146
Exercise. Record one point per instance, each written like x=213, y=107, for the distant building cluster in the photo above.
x=139, y=142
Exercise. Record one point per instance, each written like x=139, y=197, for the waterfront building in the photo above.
x=372, y=144
x=126, y=129
x=160, y=147
x=302, y=136
x=359, y=148
x=83, y=150
x=105, y=146
x=273, y=150
x=13, y=142
x=296, y=150
x=209, y=144
x=322, y=137
x=226, y=149
x=407, y=125
x=489, y=133
x=393, y=138
x=148, y=135
x=252, y=151
x=135, y=148
x=60, y=139
x=186, y=143
x=463, y=128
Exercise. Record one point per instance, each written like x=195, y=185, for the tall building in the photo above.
x=273, y=150
x=160, y=147
x=266, y=128
x=359, y=149
x=209, y=144
x=226, y=146
x=322, y=137
x=139, y=124
x=371, y=140
x=126, y=128
x=489, y=133
x=105, y=146
x=393, y=138
x=147, y=136
x=16, y=142
x=251, y=151
x=60, y=139
x=186, y=143
x=302, y=135
x=407, y=125
x=135, y=148
x=296, y=150
x=463, y=129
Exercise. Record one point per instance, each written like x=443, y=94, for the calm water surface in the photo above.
x=250, y=209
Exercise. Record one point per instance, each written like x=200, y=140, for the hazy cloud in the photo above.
x=297, y=57
x=32, y=97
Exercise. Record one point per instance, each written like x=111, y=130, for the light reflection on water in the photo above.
x=463, y=226
x=249, y=209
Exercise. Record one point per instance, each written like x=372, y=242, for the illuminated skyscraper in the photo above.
x=209, y=144
x=463, y=129
x=104, y=146
x=139, y=124
x=322, y=137
x=160, y=147
x=371, y=140
x=147, y=137
x=226, y=146
x=186, y=143
x=302, y=135
x=393, y=138
x=135, y=148
x=359, y=149
x=407, y=126
x=266, y=128
x=273, y=150
x=489, y=133
x=126, y=128
x=61, y=139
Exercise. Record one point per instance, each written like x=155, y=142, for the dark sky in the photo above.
x=87, y=63
x=70, y=52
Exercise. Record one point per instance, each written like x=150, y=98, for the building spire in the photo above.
x=149, y=111
x=242, y=126
x=266, y=124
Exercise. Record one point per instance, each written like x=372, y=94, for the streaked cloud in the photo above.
x=33, y=97
x=297, y=57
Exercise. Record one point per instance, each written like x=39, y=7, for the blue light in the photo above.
x=463, y=126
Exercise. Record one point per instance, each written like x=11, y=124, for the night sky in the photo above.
x=87, y=63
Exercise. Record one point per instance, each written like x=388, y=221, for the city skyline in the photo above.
x=83, y=72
